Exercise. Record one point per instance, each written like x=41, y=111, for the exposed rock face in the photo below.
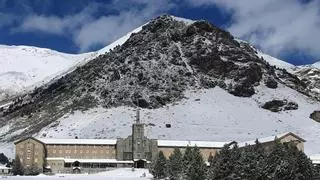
x=280, y=105
x=315, y=116
x=151, y=69
x=311, y=77
x=271, y=83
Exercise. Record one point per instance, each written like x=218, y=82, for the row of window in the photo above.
x=82, y=151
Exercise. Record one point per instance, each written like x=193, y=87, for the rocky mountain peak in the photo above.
x=151, y=69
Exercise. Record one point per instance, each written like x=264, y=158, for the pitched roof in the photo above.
x=270, y=139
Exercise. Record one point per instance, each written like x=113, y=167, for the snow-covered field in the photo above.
x=208, y=114
x=117, y=174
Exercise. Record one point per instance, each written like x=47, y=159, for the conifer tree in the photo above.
x=159, y=169
x=197, y=168
x=17, y=167
x=175, y=165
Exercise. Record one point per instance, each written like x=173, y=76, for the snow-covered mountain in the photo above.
x=23, y=68
x=191, y=74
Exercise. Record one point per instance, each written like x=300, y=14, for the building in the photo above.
x=93, y=155
x=4, y=170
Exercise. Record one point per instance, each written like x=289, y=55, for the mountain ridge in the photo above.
x=157, y=69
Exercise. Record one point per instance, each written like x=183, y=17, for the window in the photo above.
x=54, y=151
x=127, y=156
x=36, y=160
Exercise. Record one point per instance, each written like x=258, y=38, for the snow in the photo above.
x=315, y=158
x=22, y=68
x=120, y=41
x=186, y=21
x=79, y=141
x=3, y=167
x=276, y=62
x=115, y=174
x=25, y=66
x=218, y=116
x=263, y=139
x=316, y=65
x=208, y=144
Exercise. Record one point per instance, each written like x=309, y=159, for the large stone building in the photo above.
x=92, y=155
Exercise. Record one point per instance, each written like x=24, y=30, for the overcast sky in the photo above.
x=287, y=29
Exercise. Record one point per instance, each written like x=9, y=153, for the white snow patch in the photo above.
x=277, y=62
x=115, y=174
x=186, y=21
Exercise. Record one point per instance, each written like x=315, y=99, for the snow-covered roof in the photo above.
x=67, y=160
x=79, y=141
x=315, y=158
x=208, y=144
x=268, y=139
x=4, y=167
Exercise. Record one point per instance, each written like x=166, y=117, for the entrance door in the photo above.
x=140, y=164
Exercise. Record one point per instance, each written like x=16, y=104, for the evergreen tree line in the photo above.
x=283, y=161
x=187, y=166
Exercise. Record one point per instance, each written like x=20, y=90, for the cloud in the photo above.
x=87, y=30
x=277, y=27
x=106, y=29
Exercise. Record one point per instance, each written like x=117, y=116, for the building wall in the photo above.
x=82, y=151
x=31, y=153
x=137, y=146
x=290, y=138
x=56, y=166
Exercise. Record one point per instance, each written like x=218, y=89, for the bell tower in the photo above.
x=138, y=143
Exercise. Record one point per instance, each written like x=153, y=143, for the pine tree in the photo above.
x=175, y=165
x=225, y=162
x=17, y=167
x=186, y=160
x=3, y=159
x=159, y=170
x=197, y=168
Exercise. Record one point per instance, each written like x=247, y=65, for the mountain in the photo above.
x=190, y=74
x=308, y=74
x=316, y=65
x=23, y=68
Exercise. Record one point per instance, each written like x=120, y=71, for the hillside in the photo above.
x=193, y=75
x=24, y=68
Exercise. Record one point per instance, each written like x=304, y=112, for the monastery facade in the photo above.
x=94, y=155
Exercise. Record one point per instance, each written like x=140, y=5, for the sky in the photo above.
x=286, y=29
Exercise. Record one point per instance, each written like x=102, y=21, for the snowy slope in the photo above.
x=22, y=68
x=316, y=65
x=276, y=62
x=216, y=115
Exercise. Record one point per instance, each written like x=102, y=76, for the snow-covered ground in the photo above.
x=316, y=65
x=276, y=62
x=208, y=114
x=117, y=174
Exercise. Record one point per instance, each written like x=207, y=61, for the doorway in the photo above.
x=140, y=163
